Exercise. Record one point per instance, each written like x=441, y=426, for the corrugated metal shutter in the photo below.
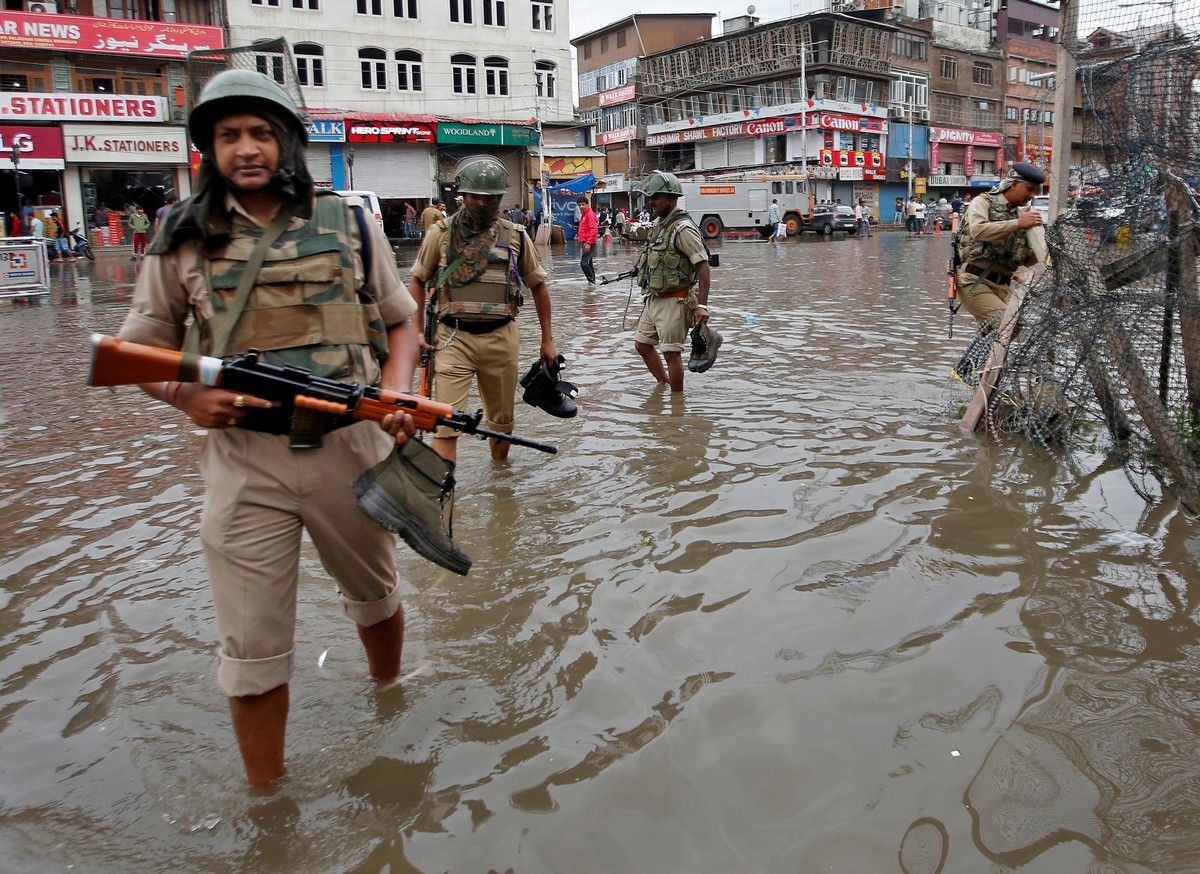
x=711, y=155
x=320, y=165
x=393, y=171
x=742, y=152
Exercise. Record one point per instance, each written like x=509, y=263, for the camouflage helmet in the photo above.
x=481, y=174
x=660, y=182
x=241, y=91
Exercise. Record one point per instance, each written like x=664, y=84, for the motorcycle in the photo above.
x=80, y=244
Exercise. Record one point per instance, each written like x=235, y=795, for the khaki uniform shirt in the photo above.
x=429, y=217
x=169, y=285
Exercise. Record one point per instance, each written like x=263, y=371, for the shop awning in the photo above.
x=579, y=185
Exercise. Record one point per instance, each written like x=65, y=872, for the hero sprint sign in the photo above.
x=118, y=144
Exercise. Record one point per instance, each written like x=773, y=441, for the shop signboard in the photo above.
x=118, y=144
x=81, y=107
x=965, y=137
x=947, y=181
x=23, y=267
x=41, y=148
x=386, y=131
x=108, y=36
x=617, y=95
x=486, y=134
x=326, y=130
x=620, y=135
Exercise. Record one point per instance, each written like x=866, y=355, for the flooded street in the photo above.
x=793, y=622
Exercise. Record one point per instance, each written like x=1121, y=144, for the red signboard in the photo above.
x=115, y=36
x=379, y=131
x=850, y=123
x=839, y=158
x=617, y=95
x=41, y=148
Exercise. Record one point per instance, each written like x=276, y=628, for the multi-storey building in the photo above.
x=92, y=103
x=401, y=89
x=608, y=97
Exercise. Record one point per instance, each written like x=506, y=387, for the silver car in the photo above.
x=1041, y=205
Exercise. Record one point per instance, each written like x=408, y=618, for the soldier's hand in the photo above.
x=215, y=407
x=400, y=426
x=1029, y=219
x=701, y=314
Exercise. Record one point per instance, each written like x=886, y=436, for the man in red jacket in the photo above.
x=589, y=229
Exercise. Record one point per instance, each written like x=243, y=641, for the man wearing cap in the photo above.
x=254, y=259
x=475, y=262
x=992, y=243
x=673, y=273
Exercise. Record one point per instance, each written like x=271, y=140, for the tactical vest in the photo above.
x=305, y=308
x=1003, y=256
x=493, y=295
x=661, y=267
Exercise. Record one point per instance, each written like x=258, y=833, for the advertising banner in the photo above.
x=23, y=267
x=323, y=130
x=40, y=148
x=618, y=95
x=965, y=137
x=380, y=131
x=486, y=134
x=115, y=36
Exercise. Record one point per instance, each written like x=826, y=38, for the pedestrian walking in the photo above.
x=254, y=202
x=674, y=275
x=139, y=223
x=477, y=301
x=589, y=232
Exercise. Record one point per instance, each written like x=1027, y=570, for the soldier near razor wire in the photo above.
x=991, y=243
x=674, y=276
x=255, y=259
x=468, y=276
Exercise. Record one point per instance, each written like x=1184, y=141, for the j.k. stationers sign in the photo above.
x=118, y=144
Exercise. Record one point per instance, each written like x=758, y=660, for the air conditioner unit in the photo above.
x=44, y=6
x=924, y=114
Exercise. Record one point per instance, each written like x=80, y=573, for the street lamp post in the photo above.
x=350, y=165
x=16, y=159
x=909, y=149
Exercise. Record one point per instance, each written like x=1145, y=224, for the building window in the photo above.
x=947, y=110
x=949, y=67
x=986, y=114
x=1011, y=113
x=462, y=74
x=493, y=13
x=981, y=74
x=908, y=46
x=604, y=45
x=408, y=70
x=495, y=76
x=404, y=8
x=543, y=16
x=270, y=66
x=621, y=40
x=587, y=50
x=274, y=3
x=370, y=7
x=311, y=5
x=462, y=12
x=115, y=80
x=546, y=74
x=310, y=64
x=372, y=64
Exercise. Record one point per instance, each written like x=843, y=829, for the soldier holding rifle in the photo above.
x=256, y=260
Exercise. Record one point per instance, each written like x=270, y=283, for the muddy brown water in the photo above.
x=793, y=622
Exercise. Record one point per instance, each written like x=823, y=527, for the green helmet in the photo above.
x=659, y=182
x=241, y=91
x=480, y=174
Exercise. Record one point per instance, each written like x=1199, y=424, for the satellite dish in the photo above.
x=749, y=10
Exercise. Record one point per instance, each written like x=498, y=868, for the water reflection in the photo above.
x=788, y=622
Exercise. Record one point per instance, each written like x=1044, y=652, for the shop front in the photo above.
x=510, y=143
x=37, y=178
x=121, y=167
x=963, y=160
x=392, y=156
x=325, y=139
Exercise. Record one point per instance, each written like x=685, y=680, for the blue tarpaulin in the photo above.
x=581, y=185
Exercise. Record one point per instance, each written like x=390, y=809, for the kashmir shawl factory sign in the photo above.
x=116, y=36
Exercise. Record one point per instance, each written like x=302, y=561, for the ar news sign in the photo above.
x=81, y=107
x=121, y=36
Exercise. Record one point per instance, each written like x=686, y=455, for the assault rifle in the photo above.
x=605, y=280
x=426, y=366
x=119, y=362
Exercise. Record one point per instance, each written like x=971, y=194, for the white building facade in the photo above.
x=399, y=89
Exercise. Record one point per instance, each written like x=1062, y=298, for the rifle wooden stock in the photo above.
x=120, y=362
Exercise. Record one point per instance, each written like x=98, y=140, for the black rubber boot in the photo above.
x=544, y=390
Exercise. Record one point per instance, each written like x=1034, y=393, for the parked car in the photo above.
x=370, y=202
x=828, y=218
x=1041, y=205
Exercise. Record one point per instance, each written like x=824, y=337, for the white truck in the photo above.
x=718, y=205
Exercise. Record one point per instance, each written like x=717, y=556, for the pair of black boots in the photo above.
x=544, y=390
